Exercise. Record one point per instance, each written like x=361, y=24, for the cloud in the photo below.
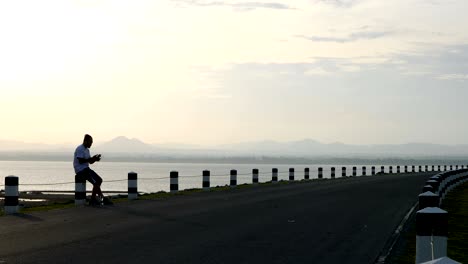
x=339, y=3
x=453, y=77
x=241, y=6
x=351, y=38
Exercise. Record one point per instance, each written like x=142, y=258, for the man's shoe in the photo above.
x=107, y=201
x=94, y=202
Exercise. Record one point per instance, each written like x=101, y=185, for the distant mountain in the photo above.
x=309, y=147
x=123, y=144
x=301, y=148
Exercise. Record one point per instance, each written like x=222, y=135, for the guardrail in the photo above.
x=431, y=220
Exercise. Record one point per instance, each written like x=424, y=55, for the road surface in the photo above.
x=346, y=220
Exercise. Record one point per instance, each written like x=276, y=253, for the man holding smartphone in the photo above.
x=81, y=161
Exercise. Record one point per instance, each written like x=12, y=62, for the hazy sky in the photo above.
x=224, y=71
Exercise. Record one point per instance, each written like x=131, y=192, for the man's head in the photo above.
x=88, y=141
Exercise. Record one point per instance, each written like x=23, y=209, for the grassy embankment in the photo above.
x=456, y=204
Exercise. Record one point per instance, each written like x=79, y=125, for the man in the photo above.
x=81, y=161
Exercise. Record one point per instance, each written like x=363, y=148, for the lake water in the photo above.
x=154, y=177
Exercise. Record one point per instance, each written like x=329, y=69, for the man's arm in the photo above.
x=90, y=160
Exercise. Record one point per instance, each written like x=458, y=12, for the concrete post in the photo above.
x=255, y=176
x=306, y=173
x=291, y=174
x=438, y=167
x=80, y=190
x=435, y=185
x=132, y=185
x=364, y=172
x=390, y=169
x=431, y=234
x=444, y=260
x=206, y=180
x=420, y=168
x=428, y=199
x=373, y=170
x=332, y=173
x=320, y=173
x=174, y=175
x=433, y=168
x=233, y=182
x=426, y=168
x=428, y=188
x=413, y=168
x=406, y=169
x=343, y=171
x=11, y=195
x=382, y=169
x=398, y=169
x=274, y=175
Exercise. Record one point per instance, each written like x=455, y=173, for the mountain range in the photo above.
x=301, y=148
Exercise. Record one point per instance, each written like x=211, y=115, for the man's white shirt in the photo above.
x=81, y=152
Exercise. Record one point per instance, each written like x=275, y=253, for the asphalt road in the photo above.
x=329, y=221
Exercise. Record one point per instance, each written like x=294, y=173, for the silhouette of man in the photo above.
x=81, y=161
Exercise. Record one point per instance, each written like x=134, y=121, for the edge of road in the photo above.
x=387, y=250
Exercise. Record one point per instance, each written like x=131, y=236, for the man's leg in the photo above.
x=96, y=180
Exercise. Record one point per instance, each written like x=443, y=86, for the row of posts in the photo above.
x=431, y=221
x=12, y=194
x=80, y=184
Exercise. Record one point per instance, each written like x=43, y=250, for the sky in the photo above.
x=213, y=72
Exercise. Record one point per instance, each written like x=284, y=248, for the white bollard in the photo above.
x=132, y=185
x=431, y=234
x=443, y=260
x=306, y=173
x=80, y=190
x=206, y=180
x=428, y=199
x=255, y=176
x=233, y=182
x=11, y=195
x=174, y=184
x=291, y=174
x=274, y=175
